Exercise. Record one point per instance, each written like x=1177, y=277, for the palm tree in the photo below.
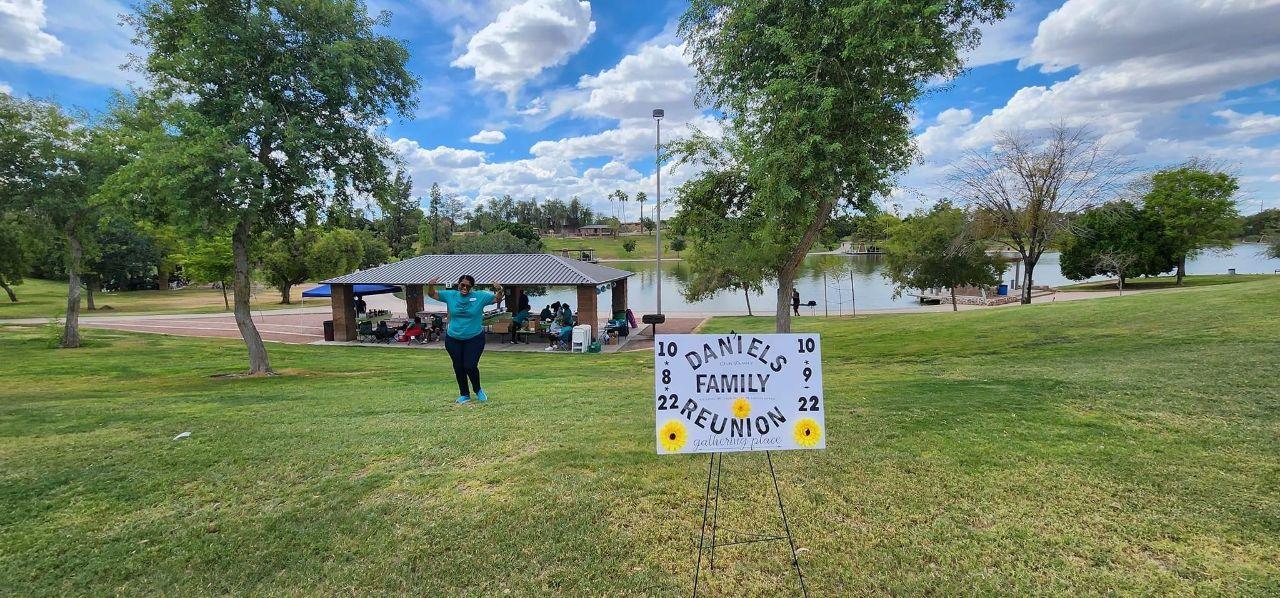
x=641, y=197
x=618, y=195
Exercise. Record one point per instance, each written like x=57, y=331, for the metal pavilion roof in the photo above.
x=512, y=269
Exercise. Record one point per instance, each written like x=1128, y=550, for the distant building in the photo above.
x=597, y=230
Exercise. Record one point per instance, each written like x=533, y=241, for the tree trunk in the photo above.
x=71, y=330
x=284, y=294
x=1122, y=285
x=162, y=278
x=787, y=274
x=226, y=305
x=853, y=296
x=1182, y=268
x=747, y=293
x=954, y=307
x=258, y=361
x=5, y=285
x=92, y=285
x=1026, y=282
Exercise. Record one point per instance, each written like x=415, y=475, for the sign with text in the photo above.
x=723, y=393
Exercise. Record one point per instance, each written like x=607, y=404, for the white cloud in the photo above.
x=632, y=139
x=1143, y=66
x=1249, y=126
x=5, y=88
x=91, y=45
x=525, y=39
x=654, y=77
x=1139, y=61
x=488, y=137
x=440, y=157
x=22, y=34
x=1009, y=38
x=1088, y=33
x=614, y=170
x=941, y=138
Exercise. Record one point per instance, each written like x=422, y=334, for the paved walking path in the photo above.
x=305, y=325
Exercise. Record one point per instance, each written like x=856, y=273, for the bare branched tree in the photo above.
x=1026, y=188
x=1118, y=262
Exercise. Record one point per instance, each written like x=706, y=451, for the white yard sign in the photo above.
x=721, y=393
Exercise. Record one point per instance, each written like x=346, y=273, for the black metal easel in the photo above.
x=716, y=464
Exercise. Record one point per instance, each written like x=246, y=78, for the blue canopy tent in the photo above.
x=358, y=290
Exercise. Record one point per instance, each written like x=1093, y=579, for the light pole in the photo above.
x=658, y=113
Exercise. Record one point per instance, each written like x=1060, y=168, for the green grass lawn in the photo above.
x=610, y=248
x=1165, y=282
x=47, y=298
x=1115, y=446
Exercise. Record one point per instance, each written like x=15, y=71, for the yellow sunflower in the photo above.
x=741, y=407
x=807, y=432
x=672, y=436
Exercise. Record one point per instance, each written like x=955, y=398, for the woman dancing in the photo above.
x=464, y=338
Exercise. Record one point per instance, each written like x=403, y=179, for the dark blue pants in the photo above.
x=466, y=361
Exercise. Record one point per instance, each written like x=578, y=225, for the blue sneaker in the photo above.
x=480, y=396
x=463, y=399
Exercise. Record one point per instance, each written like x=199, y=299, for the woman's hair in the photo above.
x=468, y=278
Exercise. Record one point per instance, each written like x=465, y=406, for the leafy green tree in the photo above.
x=1115, y=239
x=938, y=249
x=54, y=165
x=210, y=261
x=1273, y=242
x=168, y=242
x=525, y=232
x=123, y=254
x=401, y=216
x=709, y=275
x=15, y=252
x=1195, y=204
x=818, y=97
x=677, y=244
x=501, y=241
x=335, y=253
x=629, y=245
x=284, y=261
x=1257, y=225
x=375, y=251
x=271, y=108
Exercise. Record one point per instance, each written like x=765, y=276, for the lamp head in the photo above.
x=658, y=113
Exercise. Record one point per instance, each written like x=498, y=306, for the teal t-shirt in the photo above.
x=466, y=312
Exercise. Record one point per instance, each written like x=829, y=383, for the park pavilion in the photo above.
x=514, y=271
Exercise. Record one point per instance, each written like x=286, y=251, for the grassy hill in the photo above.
x=1121, y=445
x=610, y=248
x=1165, y=282
x=48, y=298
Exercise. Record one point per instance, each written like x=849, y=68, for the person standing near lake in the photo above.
x=464, y=337
x=795, y=300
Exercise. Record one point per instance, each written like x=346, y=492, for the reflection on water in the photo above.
x=835, y=281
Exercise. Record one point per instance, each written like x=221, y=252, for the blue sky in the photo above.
x=552, y=97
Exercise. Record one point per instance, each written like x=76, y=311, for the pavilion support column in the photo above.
x=619, y=297
x=513, y=298
x=413, y=300
x=344, y=312
x=587, y=307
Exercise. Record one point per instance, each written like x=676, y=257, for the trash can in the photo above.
x=1003, y=290
x=328, y=330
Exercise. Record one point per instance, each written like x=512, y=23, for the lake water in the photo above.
x=860, y=275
